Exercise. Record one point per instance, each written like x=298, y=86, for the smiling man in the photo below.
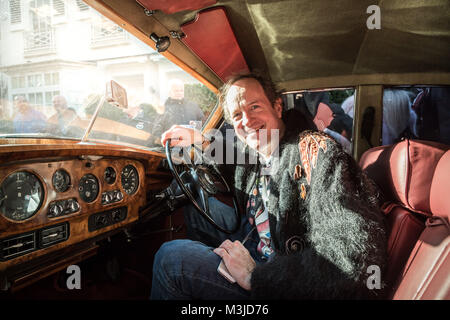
x=317, y=221
x=255, y=118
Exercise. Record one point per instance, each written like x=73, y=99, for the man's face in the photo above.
x=253, y=116
x=177, y=91
x=59, y=103
x=21, y=104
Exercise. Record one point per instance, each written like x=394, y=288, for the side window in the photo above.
x=416, y=113
x=330, y=110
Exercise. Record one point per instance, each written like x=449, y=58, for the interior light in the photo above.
x=162, y=43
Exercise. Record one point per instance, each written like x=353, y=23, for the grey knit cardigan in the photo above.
x=328, y=233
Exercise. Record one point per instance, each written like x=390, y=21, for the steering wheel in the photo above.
x=205, y=183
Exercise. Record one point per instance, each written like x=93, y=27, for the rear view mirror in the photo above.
x=116, y=94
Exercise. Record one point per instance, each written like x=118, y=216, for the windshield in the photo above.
x=57, y=61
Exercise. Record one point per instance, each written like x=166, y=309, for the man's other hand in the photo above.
x=238, y=261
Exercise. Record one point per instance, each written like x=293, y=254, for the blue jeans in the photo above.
x=187, y=269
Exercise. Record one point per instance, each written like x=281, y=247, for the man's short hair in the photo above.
x=268, y=86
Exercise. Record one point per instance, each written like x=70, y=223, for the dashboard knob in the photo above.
x=74, y=206
x=118, y=195
x=56, y=210
x=108, y=198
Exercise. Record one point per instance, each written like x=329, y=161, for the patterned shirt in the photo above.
x=258, y=213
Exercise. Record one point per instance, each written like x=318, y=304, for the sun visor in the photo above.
x=173, y=6
x=212, y=39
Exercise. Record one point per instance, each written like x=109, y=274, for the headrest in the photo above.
x=440, y=186
x=405, y=172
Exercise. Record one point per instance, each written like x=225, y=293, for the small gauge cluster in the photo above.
x=22, y=193
x=89, y=185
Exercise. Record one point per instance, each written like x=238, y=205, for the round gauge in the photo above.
x=88, y=188
x=61, y=180
x=21, y=196
x=110, y=175
x=130, y=179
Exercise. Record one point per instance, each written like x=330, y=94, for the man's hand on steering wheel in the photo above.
x=181, y=136
x=204, y=182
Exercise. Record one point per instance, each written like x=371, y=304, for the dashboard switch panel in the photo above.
x=106, y=218
x=113, y=196
x=62, y=208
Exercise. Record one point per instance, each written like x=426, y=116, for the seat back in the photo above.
x=407, y=173
x=426, y=274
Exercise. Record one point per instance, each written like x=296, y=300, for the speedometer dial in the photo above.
x=130, y=179
x=21, y=196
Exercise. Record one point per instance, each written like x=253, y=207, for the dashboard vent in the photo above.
x=21, y=244
x=17, y=245
x=54, y=234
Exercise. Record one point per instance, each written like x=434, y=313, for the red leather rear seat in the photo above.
x=414, y=177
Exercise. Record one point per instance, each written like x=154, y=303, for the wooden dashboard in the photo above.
x=79, y=192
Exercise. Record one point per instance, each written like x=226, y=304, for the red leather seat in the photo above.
x=414, y=177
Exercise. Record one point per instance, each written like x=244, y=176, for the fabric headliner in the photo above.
x=305, y=39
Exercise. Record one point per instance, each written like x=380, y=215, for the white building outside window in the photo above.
x=41, y=35
x=15, y=11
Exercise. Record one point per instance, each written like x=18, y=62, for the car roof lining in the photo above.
x=299, y=43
